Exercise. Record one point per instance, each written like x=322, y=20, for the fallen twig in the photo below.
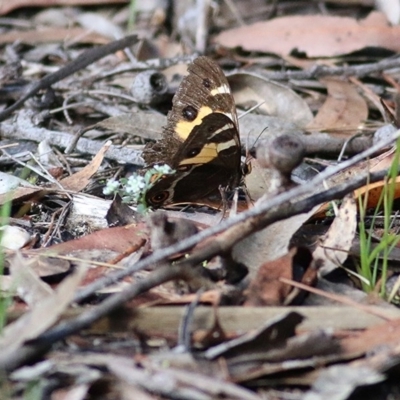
x=319, y=71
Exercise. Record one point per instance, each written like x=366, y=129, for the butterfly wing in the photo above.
x=201, y=140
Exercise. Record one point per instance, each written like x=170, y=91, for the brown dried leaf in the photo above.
x=118, y=239
x=316, y=35
x=265, y=288
x=343, y=110
x=383, y=335
x=79, y=180
x=378, y=163
x=118, y=246
x=375, y=190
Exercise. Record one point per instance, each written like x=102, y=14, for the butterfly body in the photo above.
x=201, y=140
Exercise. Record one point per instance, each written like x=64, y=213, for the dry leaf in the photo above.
x=80, y=180
x=375, y=190
x=315, y=35
x=343, y=110
x=269, y=243
x=119, y=245
x=24, y=194
x=266, y=289
x=27, y=283
x=335, y=246
x=250, y=89
x=378, y=163
x=375, y=337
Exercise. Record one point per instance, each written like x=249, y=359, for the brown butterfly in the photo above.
x=201, y=140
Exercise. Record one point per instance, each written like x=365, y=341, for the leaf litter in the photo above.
x=207, y=301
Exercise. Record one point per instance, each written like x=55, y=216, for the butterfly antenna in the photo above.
x=248, y=148
x=258, y=137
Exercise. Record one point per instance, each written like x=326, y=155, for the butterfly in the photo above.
x=200, y=142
